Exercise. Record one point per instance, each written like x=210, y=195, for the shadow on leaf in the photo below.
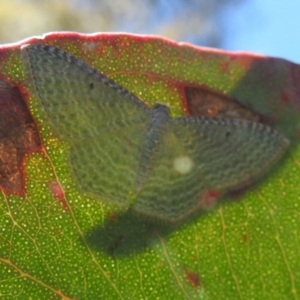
x=126, y=234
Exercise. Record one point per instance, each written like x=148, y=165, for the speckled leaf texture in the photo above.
x=57, y=242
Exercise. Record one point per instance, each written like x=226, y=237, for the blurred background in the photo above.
x=264, y=26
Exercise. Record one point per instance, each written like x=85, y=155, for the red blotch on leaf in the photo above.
x=202, y=101
x=245, y=238
x=285, y=98
x=224, y=67
x=112, y=216
x=209, y=198
x=192, y=277
x=18, y=136
x=59, y=194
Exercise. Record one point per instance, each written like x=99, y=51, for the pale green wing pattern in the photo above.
x=125, y=152
x=102, y=121
x=199, y=155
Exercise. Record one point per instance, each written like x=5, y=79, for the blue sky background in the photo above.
x=270, y=27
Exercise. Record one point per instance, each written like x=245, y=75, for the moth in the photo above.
x=138, y=156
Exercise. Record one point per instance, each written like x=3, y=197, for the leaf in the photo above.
x=57, y=242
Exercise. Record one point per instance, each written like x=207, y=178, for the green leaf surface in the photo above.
x=56, y=242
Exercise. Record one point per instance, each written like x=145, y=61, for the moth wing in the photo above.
x=199, y=155
x=103, y=122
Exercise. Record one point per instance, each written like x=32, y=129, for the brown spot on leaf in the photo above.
x=205, y=102
x=112, y=216
x=245, y=238
x=56, y=231
x=18, y=136
x=6, y=242
x=192, y=277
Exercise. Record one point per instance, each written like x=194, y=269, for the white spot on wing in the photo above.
x=183, y=164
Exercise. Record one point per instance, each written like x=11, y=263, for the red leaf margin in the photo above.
x=270, y=86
